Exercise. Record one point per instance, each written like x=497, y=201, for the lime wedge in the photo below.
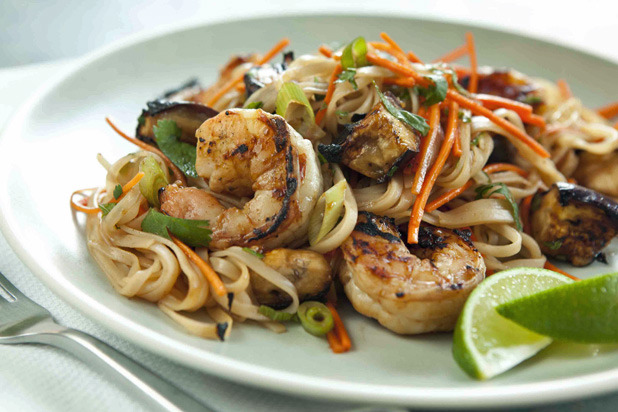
x=585, y=312
x=484, y=343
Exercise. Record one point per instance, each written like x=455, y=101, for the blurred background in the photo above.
x=35, y=31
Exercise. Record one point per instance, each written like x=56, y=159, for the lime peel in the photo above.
x=486, y=344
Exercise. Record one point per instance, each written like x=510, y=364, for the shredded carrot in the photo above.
x=453, y=54
x=501, y=167
x=447, y=197
x=461, y=71
x=473, y=66
x=329, y=94
x=144, y=146
x=549, y=266
x=535, y=120
x=565, y=90
x=397, y=68
x=608, y=111
x=434, y=172
x=413, y=57
x=399, y=81
x=338, y=337
x=457, y=152
x=571, y=180
x=616, y=125
x=399, y=55
x=392, y=42
x=429, y=141
x=326, y=51
x=128, y=186
x=81, y=208
x=495, y=102
x=524, y=210
x=264, y=59
x=208, y=272
x=476, y=108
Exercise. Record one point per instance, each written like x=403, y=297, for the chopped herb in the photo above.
x=536, y=202
x=191, y=232
x=455, y=81
x=348, y=76
x=486, y=175
x=555, y=245
x=413, y=120
x=255, y=105
x=167, y=134
x=319, y=97
x=475, y=141
x=141, y=120
x=117, y=192
x=436, y=92
x=322, y=159
x=106, y=208
x=253, y=252
x=392, y=171
x=464, y=117
x=486, y=191
x=403, y=93
x=277, y=315
x=341, y=113
x=532, y=99
x=316, y=80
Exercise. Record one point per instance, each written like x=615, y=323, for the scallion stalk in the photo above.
x=326, y=212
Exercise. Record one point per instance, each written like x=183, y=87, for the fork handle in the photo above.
x=93, y=351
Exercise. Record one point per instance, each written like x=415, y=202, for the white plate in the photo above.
x=49, y=148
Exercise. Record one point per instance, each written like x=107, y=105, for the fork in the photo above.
x=23, y=321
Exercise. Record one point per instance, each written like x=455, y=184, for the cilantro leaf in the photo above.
x=341, y=113
x=413, y=120
x=530, y=99
x=183, y=155
x=486, y=191
x=436, y=92
x=253, y=252
x=348, y=76
x=106, y=208
x=555, y=245
x=464, y=117
x=191, y=232
x=255, y=105
x=117, y=191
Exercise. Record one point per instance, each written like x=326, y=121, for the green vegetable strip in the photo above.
x=486, y=191
x=414, y=121
x=192, y=232
x=183, y=155
x=153, y=180
x=277, y=315
x=291, y=93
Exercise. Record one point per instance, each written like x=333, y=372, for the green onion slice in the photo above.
x=292, y=98
x=277, y=315
x=354, y=54
x=315, y=318
x=326, y=212
x=191, y=232
x=153, y=180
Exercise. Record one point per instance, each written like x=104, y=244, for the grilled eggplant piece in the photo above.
x=307, y=270
x=183, y=92
x=573, y=223
x=376, y=145
x=259, y=76
x=505, y=83
x=188, y=116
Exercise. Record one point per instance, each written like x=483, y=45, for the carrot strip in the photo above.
x=232, y=83
x=208, y=272
x=457, y=152
x=128, y=186
x=82, y=208
x=144, y=146
x=399, y=81
x=397, y=68
x=616, y=125
x=549, y=266
x=506, y=125
x=501, y=167
x=338, y=337
x=329, y=94
x=392, y=42
x=535, y=120
x=495, y=102
x=565, y=90
x=432, y=176
x=326, y=51
x=413, y=58
x=399, y=55
x=423, y=157
x=473, y=66
x=447, y=197
x=608, y=111
x=524, y=210
x=453, y=54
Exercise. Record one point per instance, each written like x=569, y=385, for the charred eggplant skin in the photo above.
x=573, y=223
x=259, y=76
x=188, y=116
x=376, y=145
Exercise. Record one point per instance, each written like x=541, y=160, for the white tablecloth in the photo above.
x=36, y=378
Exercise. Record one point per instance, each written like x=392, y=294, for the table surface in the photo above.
x=36, y=378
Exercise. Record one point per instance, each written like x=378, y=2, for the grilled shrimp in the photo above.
x=251, y=153
x=573, y=223
x=409, y=289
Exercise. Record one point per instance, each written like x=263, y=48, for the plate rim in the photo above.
x=222, y=366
